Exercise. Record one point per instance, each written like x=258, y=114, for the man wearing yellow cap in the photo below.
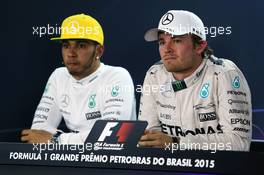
x=82, y=92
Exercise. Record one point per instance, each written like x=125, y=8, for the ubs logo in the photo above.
x=167, y=18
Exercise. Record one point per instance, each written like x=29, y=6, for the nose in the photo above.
x=72, y=51
x=168, y=47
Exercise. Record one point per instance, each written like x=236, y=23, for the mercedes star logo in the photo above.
x=65, y=100
x=167, y=18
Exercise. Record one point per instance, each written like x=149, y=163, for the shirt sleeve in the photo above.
x=234, y=114
x=148, y=108
x=47, y=115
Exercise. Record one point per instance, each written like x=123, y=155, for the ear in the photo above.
x=199, y=48
x=99, y=50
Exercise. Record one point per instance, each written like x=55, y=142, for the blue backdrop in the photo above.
x=29, y=58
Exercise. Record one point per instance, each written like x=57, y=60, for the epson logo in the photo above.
x=41, y=116
x=203, y=117
x=240, y=120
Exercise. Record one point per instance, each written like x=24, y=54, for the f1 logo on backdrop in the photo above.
x=116, y=135
x=122, y=134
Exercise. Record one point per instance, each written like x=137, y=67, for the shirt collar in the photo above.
x=190, y=80
x=196, y=75
x=90, y=78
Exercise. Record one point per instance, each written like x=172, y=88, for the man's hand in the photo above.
x=156, y=139
x=35, y=136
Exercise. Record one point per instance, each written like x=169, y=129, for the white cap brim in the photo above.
x=151, y=35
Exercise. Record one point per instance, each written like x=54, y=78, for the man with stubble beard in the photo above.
x=196, y=98
x=83, y=91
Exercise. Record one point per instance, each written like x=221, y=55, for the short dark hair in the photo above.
x=207, y=51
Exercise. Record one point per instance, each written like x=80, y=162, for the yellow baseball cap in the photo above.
x=81, y=26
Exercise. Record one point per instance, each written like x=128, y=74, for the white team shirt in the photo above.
x=108, y=93
x=214, y=107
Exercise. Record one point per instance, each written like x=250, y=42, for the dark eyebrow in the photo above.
x=179, y=36
x=64, y=41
